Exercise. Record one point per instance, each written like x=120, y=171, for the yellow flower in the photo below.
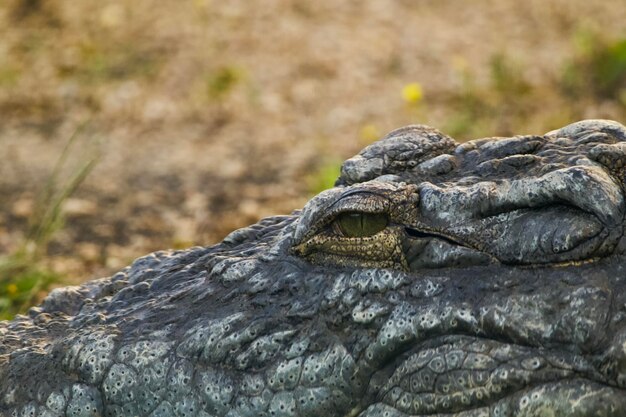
x=412, y=93
x=12, y=289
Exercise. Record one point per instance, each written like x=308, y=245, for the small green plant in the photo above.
x=22, y=280
x=324, y=176
x=468, y=106
x=9, y=76
x=101, y=62
x=496, y=106
x=22, y=273
x=598, y=68
x=507, y=77
x=220, y=83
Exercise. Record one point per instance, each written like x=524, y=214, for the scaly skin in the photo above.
x=488, y=279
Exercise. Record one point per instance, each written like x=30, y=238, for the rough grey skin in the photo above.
x=481, y=279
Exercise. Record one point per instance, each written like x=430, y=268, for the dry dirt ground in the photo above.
x=208, y=115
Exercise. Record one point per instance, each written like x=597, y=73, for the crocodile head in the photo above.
x=476, y=279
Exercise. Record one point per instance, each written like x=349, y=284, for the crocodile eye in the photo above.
x=360, y=224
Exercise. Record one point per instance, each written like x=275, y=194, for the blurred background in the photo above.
x=132, y=126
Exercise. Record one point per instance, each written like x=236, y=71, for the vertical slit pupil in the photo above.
x=356, y=224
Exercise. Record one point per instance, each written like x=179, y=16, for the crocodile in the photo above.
x=437, y=278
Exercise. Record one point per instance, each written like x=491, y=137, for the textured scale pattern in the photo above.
x=498, y=289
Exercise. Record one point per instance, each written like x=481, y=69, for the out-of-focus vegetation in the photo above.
x=219, y=113
x=24, y=274
x=598, y=71
x=223, y=81
x=324, y=176
x=594, y=77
